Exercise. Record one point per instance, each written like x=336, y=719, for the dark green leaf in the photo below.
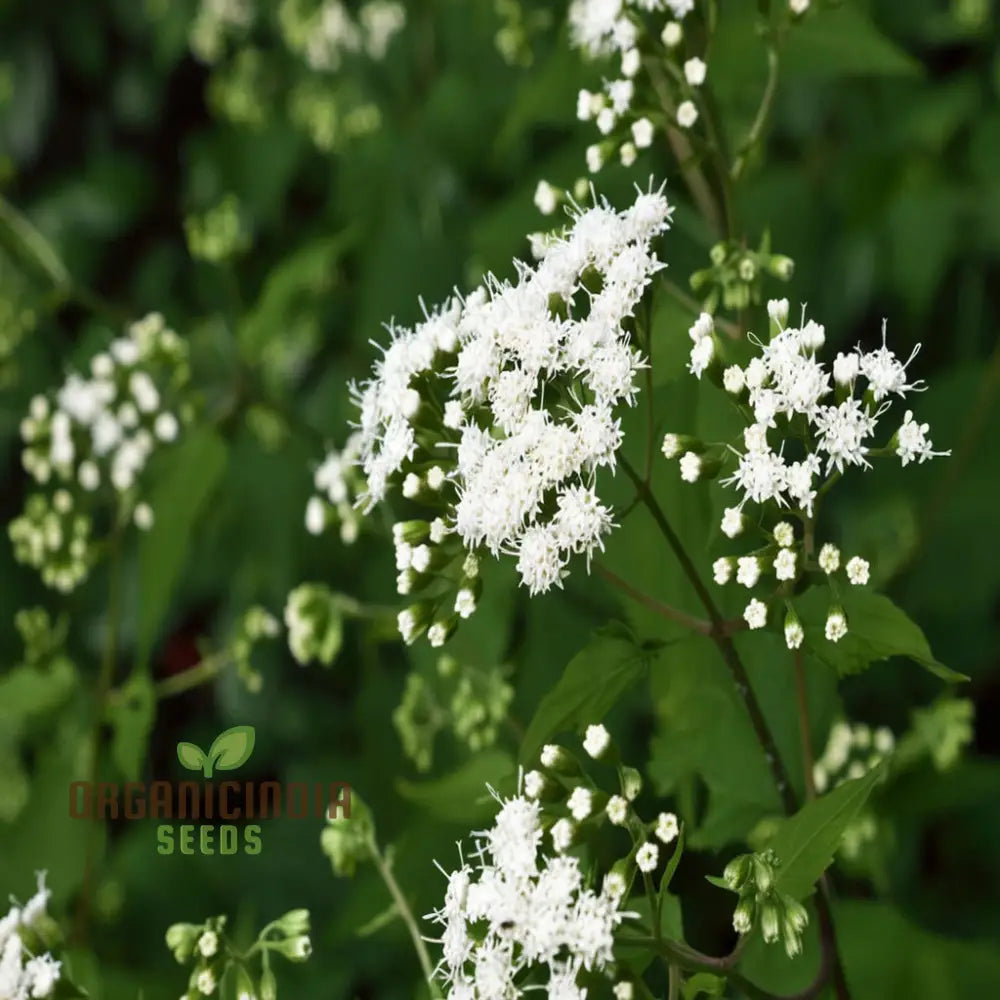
x=462, y=796
x=191, y=472
x=877, y=629
x=806, y=842
x=591, y=683
x=131, y=720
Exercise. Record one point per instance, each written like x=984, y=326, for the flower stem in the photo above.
x=804, y=729
x=719, y=634
x=406, y=914
x=763, y=113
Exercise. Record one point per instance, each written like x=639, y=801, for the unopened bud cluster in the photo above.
x=469, y=701
x=256, y=625
x=314, y=620
x=207, y=948
x=88, y=444
x=761, y=903
x=735, y=276
x=338, y=485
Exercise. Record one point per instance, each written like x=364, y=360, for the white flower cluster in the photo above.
x=605, y=27
x=497, y=411
x=851, y=752
x=93, y=439
x=329, y=31
x=338, y=485
x=23, y=975
x=514, y=911
x=808, y=423
x=217, y=20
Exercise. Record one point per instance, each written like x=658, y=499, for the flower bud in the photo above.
x=181, y=940
x=412, y=532
x=770, y=919
x=293, y=922
x=743, y=915
x=268, y=986
x=737, y=871
x=554, y=758
x=243, y=986
x=631, y=783
x=295, y=949
x=763, y=873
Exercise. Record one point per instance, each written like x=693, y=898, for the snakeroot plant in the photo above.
x=512, y=415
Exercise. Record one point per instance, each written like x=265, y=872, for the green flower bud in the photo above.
x=243, y=985
x=412, y=532
x=631, y=783
x=738, y=871
x=293, y=922
x=315, y=623
x=295, y=949
x=763, y=873
x=346, y=841
x=554, y=758
x=744, y=914
x=268, y=986
x=181, y=940
x=770, y=919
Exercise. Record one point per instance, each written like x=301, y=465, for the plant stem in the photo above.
x=385, y=870
x=763, y=113
x=832, y=967
x=728, y=327
x=698, y=625
x=719, y=634
x=804, y=729
x=201, y=673
x=104, y=679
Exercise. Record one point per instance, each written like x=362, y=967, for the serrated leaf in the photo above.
x=190, y=474
x=876, y=630
x=806, y=842
x=191, y=756
x=462, y=796
x=231, y=749
x=591, y=683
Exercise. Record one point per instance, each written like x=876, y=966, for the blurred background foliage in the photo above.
x=277, y=208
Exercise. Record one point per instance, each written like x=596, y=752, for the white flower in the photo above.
x=585, y=105
x=702, y=354
x=205, y=983
x=846, y=368
x=667, y=827
x=642, y=133
x=829, y=558
x=777, y=310
x=671, y=446
x=798, y=6
x=623, y=990
x=687, y=114
x=596, y=741
x=836, y=625
x=546, y=198
x=465, y=603
x=315, y=516
x=722, y=570
x=647, y=857
x=857, y=571
x=208, y=944
x=617, y=810
x=784, y=565
x=755, y=614
x=580, y=803
x=694, y=71
x=884, y=740
x=627, y=154
x=690, y=465
x=732, y=522
x=595, y=158
x=631, y=61
x=912, y=442
x=562, y=835
x=784, y=534
x=437, y=635
x=748, y=571
x=606, y=119
x=143, y=516
x=671, y=35
x=732, y=380
x=550, y=755
x=534, y=783
x=794, y=634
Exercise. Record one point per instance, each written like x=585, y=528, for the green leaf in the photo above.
x=703, y=984
x=591, y=683
x=191, y=756
x=462, y=796
x=806, y=842
x=664, y=893
x=842, y=42
x=132, y=720
x=877, y=629
x=231, y=749
x=190, y=474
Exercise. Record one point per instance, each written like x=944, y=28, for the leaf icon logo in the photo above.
x=230, y=749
